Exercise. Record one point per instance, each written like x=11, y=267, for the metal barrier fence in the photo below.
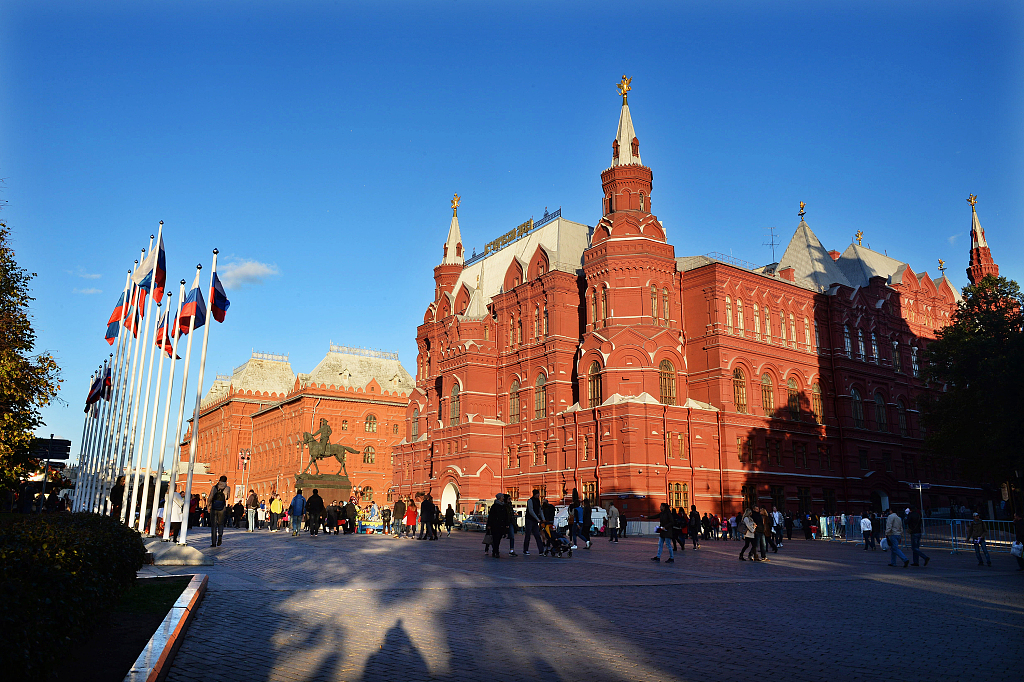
x=945, y=533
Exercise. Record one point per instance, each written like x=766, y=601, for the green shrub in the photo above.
x=58, y=572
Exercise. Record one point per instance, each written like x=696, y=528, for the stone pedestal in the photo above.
x=331, y=486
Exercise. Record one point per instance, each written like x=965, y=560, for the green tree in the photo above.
x=27, y=382
x=977, y=417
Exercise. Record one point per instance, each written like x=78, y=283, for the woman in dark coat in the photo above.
x=497, y=523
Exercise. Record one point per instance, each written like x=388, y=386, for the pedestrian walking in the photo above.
x=385, y=520
x=116, y=498
x=586, y=516
x=497, y=525
x=314, y=511
x=679, y=523
x=399, y=516
x=177, y=514
x=694, y=525
x=350, y=515
x=275, y=512
x=748, y=527
x=410, y=520
x=893, y=535
x=976, y=534
x=513, y=525
x=759, y=532
x=252, y=503
x=217, y=504
x=788, y=522
x=915, y=526
x=622, y=526
x=296, y=509
x=665, y=527
x=613, y=523
x=867, y=531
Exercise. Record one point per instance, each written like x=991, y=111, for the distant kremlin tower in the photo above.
x=569, y=357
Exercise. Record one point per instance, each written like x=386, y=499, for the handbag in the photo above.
x=884, y=544
x=488, y=540
x=1017, y=549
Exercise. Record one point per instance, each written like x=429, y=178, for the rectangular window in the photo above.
x=778, y=497
x=682, y=447
x=803, y=496
x=678, y=495
x=910, y=466
x=778, y=452
x=668, y=445
x=509, y=464
x=590, y=492
x=512, y=492
x=800, y=455
x=887, y=460
x=749, y=496
x=739, y=447
x=543, y=490
x=862, y=456
x=829, y=495
x=824, y=457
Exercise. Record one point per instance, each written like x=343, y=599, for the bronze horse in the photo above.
x=318, y=451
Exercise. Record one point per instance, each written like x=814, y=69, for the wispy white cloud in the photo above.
x=80, y=272
x=87, y=291
x=241, y=272
x=952, y=239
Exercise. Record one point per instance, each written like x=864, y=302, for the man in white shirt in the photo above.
x=865, y=529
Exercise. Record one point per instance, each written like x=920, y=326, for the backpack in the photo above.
x=219, y=500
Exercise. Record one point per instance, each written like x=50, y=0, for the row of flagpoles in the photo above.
x=114, y=437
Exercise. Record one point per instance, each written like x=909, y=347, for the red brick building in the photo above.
x=263, y=408
x=568, y=357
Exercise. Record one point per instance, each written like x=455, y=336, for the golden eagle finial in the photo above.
x=455, y=205
x=942, y=267
x=623, y=87
x=972, y=199
x=859, y=236
x=802, y=211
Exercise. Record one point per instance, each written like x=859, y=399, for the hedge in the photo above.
x=58, y=573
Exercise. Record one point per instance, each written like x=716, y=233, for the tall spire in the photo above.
x=981, y=257
x=453, y=246
x=626, y=147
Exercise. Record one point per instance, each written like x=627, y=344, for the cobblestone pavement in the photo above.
x=375, y=608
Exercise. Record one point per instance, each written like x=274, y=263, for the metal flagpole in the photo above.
x=97, y=437
x=131, y=448
x=104, y=481
x=181, y=416
x=94, y=437
x=152, y=426
x=124, y=456
x=193, y=442
x=139, y=424
x=82, y=455
x=171, y=327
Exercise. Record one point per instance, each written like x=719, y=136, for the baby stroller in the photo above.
x=557, y=543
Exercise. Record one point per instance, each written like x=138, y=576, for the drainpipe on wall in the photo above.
x=721, y=475
x=835, y=411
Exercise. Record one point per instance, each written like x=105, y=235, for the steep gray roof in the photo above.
x=860, y=264
x=264, y=372
x=810, y=261
x=356, y=367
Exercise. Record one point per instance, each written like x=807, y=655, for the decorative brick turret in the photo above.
x=981, y=257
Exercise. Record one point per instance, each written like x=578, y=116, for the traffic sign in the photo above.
x=50, y=448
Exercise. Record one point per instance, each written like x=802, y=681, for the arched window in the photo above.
x=367, y=493
x=880, y=419
x=369, y=455
x=817, y=336
x=415, y=422
x=540, y=398
x=545, y=319
x=897, y=359
x=513, y=403
x=739, y=316
x=874, y=348
x=664, y=305
x=757, y=324
x=817, y=407
x=846, y=339
x=782, y=327
x=807, y=333
x=901, y=414
x=914, y=366
x=454, y=412
x=394, y=429
x=858, y=408
x=792, y=331
x=860, y=344
x=654, y=304
x=767, y=324
x=371, y=423
x=536, y=323
x=728, y=314
x=596, y=309
x=793, y=398
x=767, y=394
x=641, y=201
x=511, y=330
x=739, y=390
x=667, y=382
x=519, y=330
x=604, y=305
x=344, y=425
x=594, y=385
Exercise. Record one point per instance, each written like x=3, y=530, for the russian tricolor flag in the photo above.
x=152, y=275
x=164, y=332
x=219, y=302
x=95, y=392
x=108, y=384
x=192, y=306
x=114, y=323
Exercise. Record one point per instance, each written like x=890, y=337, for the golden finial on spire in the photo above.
x=623, y=87
x=942, y=267
x=802, y=211
x=972, y=199
x=455, y=205
x=859, y=236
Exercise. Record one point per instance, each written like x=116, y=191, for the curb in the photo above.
x=154, y=662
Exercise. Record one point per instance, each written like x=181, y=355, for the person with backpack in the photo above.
x=217, y=504
x=295, y=511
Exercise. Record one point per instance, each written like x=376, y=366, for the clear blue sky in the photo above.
x=319, y=144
